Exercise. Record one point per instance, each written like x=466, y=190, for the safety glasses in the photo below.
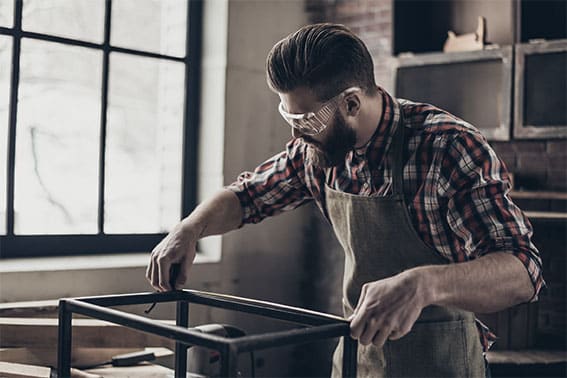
x=312, y=123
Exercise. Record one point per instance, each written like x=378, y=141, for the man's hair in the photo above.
x=326, y=58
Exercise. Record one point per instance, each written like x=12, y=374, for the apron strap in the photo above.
x=397, y=155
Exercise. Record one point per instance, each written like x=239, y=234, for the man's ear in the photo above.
x=352, y=105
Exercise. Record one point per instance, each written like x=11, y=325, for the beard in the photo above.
x=332, y=150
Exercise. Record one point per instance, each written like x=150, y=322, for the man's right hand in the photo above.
x=219, y=214
x=178, y=247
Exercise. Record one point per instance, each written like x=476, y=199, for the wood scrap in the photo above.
x=527, y=356
x=13, y=370
x=467, y=42
x=144, y=370
x=88, y=333
x=30, y=309
x=79, y=356
x=48, y=356
x=76, y=373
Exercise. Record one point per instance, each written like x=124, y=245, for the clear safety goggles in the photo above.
x=312, y=123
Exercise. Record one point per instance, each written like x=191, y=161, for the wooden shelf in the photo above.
x=525, y=357
x=545, y=215
x=539, y=195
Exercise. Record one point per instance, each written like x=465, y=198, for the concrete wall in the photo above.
x=267, y=260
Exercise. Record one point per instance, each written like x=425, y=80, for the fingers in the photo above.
x=360, y=299
x=401, y=331
x=164, y=270
x=374, y=322
x=155, y=275
x=149, y=271
x=183, y=273
x=380, y=337
x=396, y=335
x=152, y=272
x=372, y=330
x=177, y=250
x=158, y=269
x=358, y=323
x=357, y=317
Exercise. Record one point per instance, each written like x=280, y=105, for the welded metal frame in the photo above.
x=316, y=326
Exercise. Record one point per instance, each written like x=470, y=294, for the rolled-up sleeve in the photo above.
x=275, y=186
x=480, y=212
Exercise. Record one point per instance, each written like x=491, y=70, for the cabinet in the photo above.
x=422, y=25
x=528, y=332
x=542, y=205
x=504, y=89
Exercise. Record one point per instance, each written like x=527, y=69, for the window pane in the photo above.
x=6, y=13
x=77, y=19
x=157, y=26
x=5, y=71
x=57, y=149
x=144, y=139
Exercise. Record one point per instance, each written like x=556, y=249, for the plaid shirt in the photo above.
x=455, y=185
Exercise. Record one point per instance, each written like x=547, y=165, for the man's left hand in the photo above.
x=387, y=309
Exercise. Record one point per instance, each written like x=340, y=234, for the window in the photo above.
x=98, y=123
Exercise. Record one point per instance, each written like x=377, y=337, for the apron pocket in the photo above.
x=436, y=349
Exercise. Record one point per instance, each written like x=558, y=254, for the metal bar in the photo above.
x=294, y=336
x=14, y=87
x=350, y=350
x=148, y=325
x=133, y=299
x=103, y=117
x=92, y=45
x=274, y=310
x=182, y=320
x=64, y=340
x=229, y=362
x=6, y=31
x=191, y=113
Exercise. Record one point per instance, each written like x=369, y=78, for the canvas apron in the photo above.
x=379, y=241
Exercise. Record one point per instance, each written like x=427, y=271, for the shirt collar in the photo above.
x=380, y=141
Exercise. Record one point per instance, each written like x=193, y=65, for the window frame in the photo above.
x=11, y=245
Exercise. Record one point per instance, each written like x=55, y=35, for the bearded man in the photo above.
x=417, y=199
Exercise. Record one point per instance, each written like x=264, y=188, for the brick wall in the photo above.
x=537, y=165
x=370, y=20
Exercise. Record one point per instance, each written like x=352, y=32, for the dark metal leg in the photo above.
x=350, y=350
x=229, y=362
x=182, y=320
x=64, y=341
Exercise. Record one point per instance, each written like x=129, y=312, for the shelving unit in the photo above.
x=532, y=194
x=542, y=196
x=531, y=336
x=508, y=21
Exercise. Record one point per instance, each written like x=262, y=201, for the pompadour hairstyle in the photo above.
x=327, y=58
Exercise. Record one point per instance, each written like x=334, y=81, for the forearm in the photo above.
x=490, y=283
x=219, y=214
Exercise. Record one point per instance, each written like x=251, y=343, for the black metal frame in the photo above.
x=12, y=245
x=319, y=326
